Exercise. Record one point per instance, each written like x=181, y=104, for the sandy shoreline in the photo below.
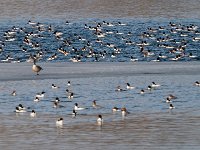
x=23, y=71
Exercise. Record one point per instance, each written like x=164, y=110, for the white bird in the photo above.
x=129, y=87
x=171, y=106
x=142, y=91
x=40, y=95
x=53, y=86
x=114, y=109
x=68, y=83
x=99, y=120
x=76, y=107
x=33, y=113
x=154, y=85
x=36, y=99
x=20, y=109
x=197, y=83
x=14, y=93
x=74, y=113
x=59, y=122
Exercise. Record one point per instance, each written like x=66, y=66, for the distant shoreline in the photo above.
x=65, y=70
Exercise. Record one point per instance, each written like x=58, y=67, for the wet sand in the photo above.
x=23, y=71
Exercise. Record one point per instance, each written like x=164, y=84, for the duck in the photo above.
x=55, y=104
x=14, y=93
x=21, y=107
x=171, y=106
x=76, y=107
x=170, y=97
x=197, y=83
x=53, y=86
x=60, y=121
x=124, y=111
x=33, y=113
x=168, y=100
x=94, y=104
x=36, y=68
x=99, y=120
x=68, y=83
x=36, y=99
x=142, y=91
x=70, y=95
x=114, y=109
x=57, y=100
x=119, y=89
x=74, y=113
x=40, y=95
x=18, y=110
x=149, y=88
x=154, y=85
x=129, y=87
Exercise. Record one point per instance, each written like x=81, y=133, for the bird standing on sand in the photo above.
x=36, y=68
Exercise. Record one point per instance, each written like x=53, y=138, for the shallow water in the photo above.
x=150, y=124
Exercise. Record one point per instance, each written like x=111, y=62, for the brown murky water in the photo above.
x=76, y=9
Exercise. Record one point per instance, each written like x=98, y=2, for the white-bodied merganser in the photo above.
x=14, y=93
x=114, y=109
x=59, y=122
x=68, y=83
x=53, y=86
x=142, y=91
x=129, y=87
x=18, y=110
x=40, y=95
x=171, y=106
x=99, y=120
x=33, y=113
x=168, y=100
x=36, y=99
x=154, y=85
x=70, y=95
x=74, y=113
x=76, y=107
x=197, y=83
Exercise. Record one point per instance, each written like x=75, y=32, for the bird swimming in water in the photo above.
x=99, y=120
x=59, y=122
x=33, y=113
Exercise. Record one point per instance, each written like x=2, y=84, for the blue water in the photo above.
x=79, y=41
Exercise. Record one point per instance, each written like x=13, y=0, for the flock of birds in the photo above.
x=76, y=109
x=100, y=41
